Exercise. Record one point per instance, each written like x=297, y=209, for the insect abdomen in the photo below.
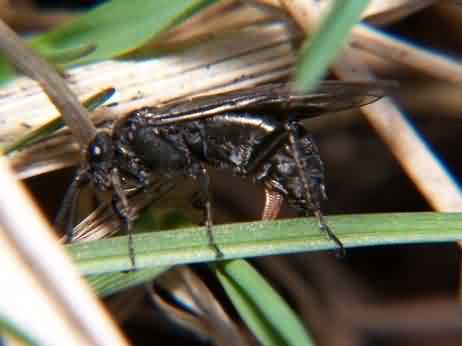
x=284, y=175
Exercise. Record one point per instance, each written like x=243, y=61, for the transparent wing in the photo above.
x=276, y=99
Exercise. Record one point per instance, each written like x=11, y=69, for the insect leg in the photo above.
x=122, y=209
x=293, y=140
x=202, y=178
x=69, y=204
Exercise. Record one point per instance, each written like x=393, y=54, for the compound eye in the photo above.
x=96, y=151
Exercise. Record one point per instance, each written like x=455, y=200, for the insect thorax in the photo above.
x=223, y=141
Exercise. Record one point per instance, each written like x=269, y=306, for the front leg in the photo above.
x=123, y=211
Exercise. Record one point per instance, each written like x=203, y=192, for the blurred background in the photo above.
x=391, y=295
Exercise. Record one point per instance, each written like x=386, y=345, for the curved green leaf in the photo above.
x=117, y=27
x=260, y=306
x=109, y=30
x=190, y=245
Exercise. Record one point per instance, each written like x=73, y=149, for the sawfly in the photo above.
x=256, y=133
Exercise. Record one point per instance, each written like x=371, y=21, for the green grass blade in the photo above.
x=53, y=56
x=109, y=30
x=190, y=245
x=260, y=306
x=117, y=27
x=151, y=220
x=321, y=49
x=63, y=56
x=106, y=284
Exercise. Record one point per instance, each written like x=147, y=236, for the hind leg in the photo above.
x=312, y=203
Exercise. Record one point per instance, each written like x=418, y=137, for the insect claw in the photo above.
x=340, y=250
x=131, y=251
x=127, y=226
x=212, y=244
x=218, y=253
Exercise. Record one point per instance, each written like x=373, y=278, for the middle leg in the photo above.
x=201, y=175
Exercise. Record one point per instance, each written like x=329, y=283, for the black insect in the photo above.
x=254, y=133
